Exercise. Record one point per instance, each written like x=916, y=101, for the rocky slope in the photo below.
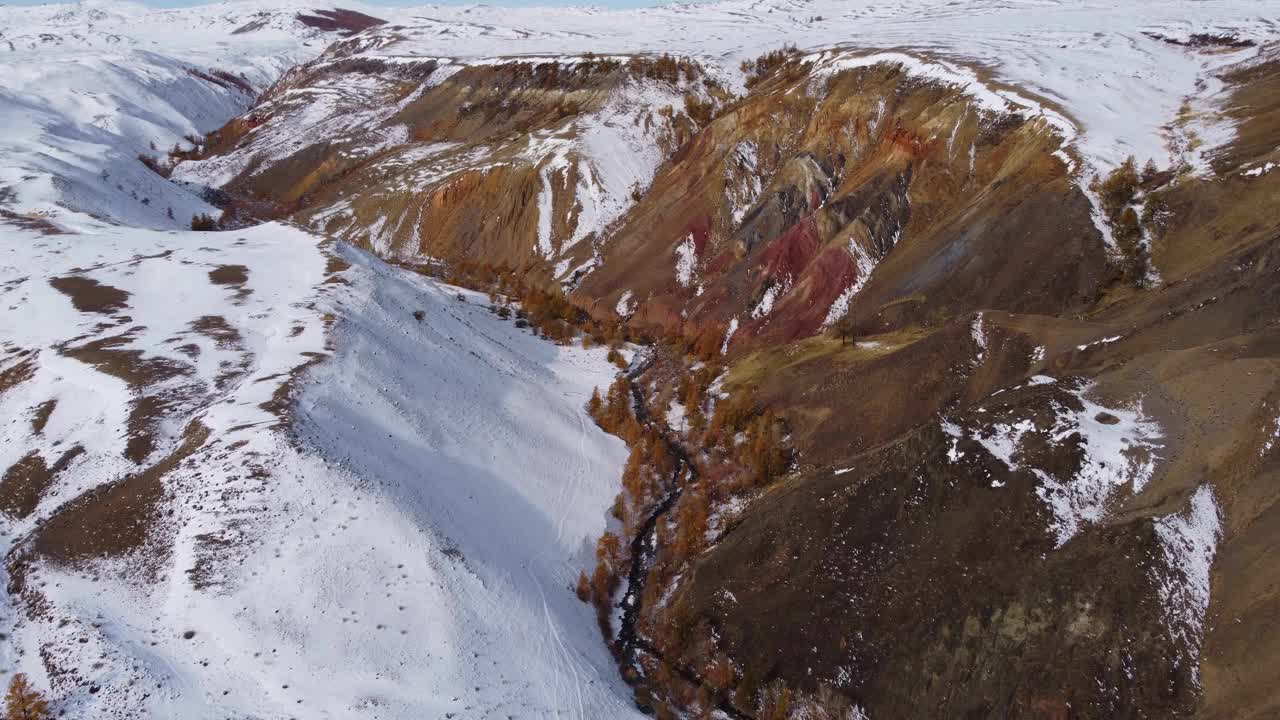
x=947, y=410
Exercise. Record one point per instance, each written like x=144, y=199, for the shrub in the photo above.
x=204, y=222
x=24, y=702
x=846, y=332
x=701, y=112
x=154, y=165
x=1117, y=193
x=766, y=65
x=595, y=404
x=691, y=524
x=1119, y=189
x=775, y=701
x=664, y=67
x=1127, y=232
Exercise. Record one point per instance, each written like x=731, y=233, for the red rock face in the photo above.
x=700, y=230
x=829, y=275
x=785, y=258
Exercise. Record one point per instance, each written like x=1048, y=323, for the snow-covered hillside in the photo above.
x=400, y=540
x=1122, y=71
x=90, y=86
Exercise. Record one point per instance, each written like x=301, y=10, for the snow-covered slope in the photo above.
x=399, y=540
x=90, y=86
x=1122, y=71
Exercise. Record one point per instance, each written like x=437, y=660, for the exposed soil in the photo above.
x=17, y=373
x=235, y=276
x=229, y=275
x=216, y=328
x=114, y=519
x=24, y=484
x=42, y=415
x=89, y=295
x=29, y=222
x=144, y=375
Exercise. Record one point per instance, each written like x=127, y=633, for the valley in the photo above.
x=752, y=359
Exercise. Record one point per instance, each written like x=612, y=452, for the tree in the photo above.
x=203, y=222
x=24, y=702
x=691, y=531
x=846, y=333
x=594, y=405
x=775, y=701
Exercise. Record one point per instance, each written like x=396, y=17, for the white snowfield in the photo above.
x=407, y=550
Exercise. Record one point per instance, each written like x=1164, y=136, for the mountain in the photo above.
x=844, y=359
x=91, y=87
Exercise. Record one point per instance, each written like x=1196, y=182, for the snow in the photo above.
x=743, y=180
x=1118, y=453
x=1260, y=170
x=1003, y=440
x=409, y=544
x=97, y=82
x=771, y=295
x=1101, y=341
x=728, y=335
x=865, y=263
x=1271, y=439
x=620, y=150
x=1118, y=450
x=555, y=164
x=978, y=330
x=89, y=86
x=1189, y=541
x=686, y=262
x=1088, y=65
x=676, y=417
x=625, y=306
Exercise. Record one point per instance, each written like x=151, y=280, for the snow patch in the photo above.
x=728, y=335
x=686, y=262
x=625, y=306
x=1189, y=541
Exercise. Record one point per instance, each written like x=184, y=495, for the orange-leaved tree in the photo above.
x=24, y=702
